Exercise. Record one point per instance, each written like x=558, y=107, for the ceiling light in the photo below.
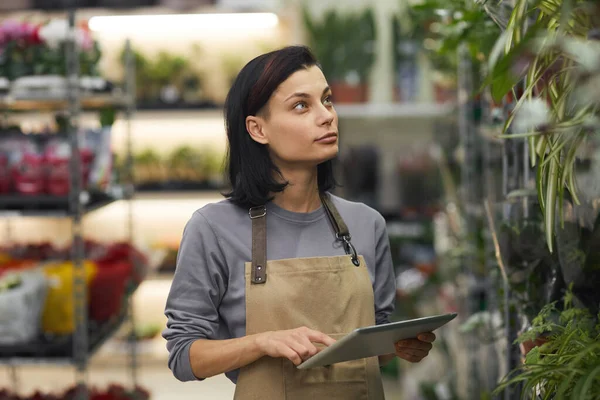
x=177, y=22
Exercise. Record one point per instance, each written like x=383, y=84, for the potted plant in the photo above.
x=443, y=27
x=168, y=80
x=345, y=46
x=148, y=169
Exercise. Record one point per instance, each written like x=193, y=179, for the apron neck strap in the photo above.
x=339, y=226
x=336, y=220
x=258, y=215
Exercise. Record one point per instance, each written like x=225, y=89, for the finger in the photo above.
x=412, y=359
x=291, y=355
x=412, y=353
x=318, y=337
x=312, y=349
x=414, y=345
x=300, y=349
x=428, y=337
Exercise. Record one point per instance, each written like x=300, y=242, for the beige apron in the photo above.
x=328, y=294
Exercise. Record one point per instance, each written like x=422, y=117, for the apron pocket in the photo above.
x=347, y=380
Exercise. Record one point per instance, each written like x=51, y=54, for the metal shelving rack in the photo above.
x=472, y=208
x=77, y=204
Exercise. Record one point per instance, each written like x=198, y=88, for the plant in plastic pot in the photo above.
x=185, y=166
x=148, y=168
x=344, y=44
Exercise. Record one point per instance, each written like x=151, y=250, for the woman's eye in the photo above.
x=328, y=101
x=300, y=106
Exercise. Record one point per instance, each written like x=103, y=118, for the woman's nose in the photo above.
x=326, y=116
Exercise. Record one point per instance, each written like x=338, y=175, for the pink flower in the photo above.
x=12, y=29
x=84, y=39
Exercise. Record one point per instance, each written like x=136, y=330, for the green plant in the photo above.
x=148, y=167
x=567, y=365
x=443, y=27
x=344, y=43
x=186, y=163
x=578, y=250
x=166, y=68
x=545, y=60
x=533, y=273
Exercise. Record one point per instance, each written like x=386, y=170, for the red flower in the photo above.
x=34, y=37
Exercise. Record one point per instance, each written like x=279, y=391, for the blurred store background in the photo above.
x=493, y=227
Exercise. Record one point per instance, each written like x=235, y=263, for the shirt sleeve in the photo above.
x=195, y=295
x=385, y=282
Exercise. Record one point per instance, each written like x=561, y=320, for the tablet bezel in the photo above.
x=360, y=333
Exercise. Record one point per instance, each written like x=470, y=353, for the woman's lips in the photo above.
x=331, y=137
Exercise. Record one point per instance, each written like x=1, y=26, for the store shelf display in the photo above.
x=34, y=172
x=184, y=169
x=53, y=67
x=170, y=81
x=34, y=73
x=113, y=273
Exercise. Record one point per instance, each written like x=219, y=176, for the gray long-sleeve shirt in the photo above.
x=207, y=296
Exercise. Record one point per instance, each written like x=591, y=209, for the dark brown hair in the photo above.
x=250, y=170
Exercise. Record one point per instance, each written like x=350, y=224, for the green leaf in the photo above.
x=554, y=153
x=550, y=209
x=532, y=150
x=587, y=383
x=539, y=180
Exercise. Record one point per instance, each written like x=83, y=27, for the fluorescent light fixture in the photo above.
x=190, y=22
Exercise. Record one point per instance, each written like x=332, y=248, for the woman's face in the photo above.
x=299, y=124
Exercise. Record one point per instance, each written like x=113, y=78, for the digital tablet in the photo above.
x=374, y=340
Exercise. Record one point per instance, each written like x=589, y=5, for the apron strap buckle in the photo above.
x=349, y=247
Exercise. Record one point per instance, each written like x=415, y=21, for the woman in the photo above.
x=230, y=310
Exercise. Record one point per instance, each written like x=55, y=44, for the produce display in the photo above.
x=113, y=392
x=38, y=164
x=36, y=294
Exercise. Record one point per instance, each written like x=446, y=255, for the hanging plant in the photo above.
x=544, y=61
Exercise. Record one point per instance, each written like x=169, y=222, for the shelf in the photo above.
x=212, y=195
x=53, y=352
x=178, y=187
x=398, y=110
x=26, y=356
x=14, y=205
x=58, y=103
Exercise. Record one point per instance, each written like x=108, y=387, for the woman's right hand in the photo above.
x=294, y=344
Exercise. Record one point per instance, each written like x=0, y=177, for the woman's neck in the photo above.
x=302, y=193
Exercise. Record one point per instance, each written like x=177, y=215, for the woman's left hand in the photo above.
x=414, y=350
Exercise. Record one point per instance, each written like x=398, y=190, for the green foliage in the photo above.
x=184, y=163
x=443, y=26
x=17, y=60
x=545, y=51
x=166, y=68
x=344, y=43
x=567, y=365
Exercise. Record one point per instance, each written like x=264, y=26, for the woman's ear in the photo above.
x=254, y=126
